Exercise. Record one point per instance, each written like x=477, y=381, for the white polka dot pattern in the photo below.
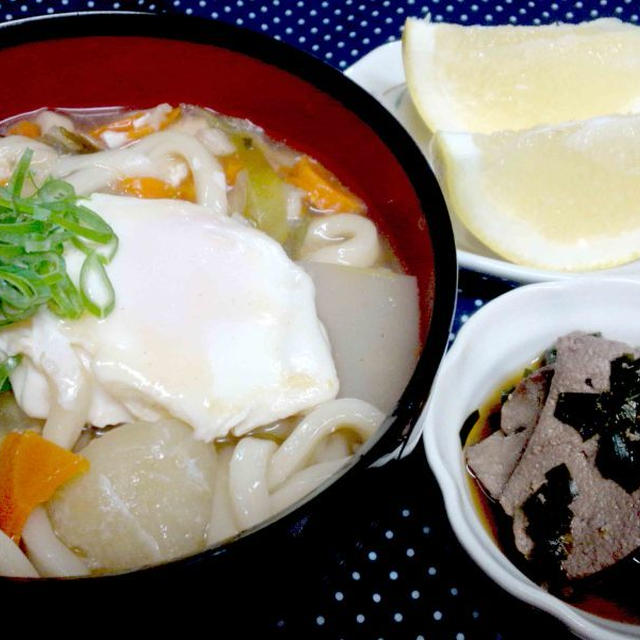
x=341, y=31
x=401, y=574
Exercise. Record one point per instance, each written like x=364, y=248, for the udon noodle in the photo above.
x=159, y=485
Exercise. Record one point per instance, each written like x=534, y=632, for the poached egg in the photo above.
x=213, y=325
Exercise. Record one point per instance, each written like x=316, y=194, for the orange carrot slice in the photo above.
x=146, y=187
x=31, y=469
x=171, y=117
x=131, y=126
x=231, y=165
x=25, y=128
x=323, y=190
x=149, y=187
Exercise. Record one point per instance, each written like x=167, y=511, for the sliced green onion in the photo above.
x=105, y=251
x=6, y=367
x=38, y=243
x=19, y=290
x=96, y=290
x=20, y=173
x=49, y=266
x=33, y=233
x=11, y=315
x=54, y=190
x=65, y=299
x=84, y=223
x=14, y=229
x=9, y=251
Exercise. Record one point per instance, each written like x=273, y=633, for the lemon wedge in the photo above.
x=563, y=197
x=487, y=79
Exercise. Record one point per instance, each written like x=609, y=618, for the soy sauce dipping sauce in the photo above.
x=611, y=593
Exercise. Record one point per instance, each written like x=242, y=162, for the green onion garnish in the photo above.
x=34, y=231
x=96, y=290
x=6, y=367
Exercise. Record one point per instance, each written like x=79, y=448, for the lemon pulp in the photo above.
x=563, y=197
x=487, y=79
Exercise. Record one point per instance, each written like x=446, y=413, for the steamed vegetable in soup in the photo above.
x=198, y=326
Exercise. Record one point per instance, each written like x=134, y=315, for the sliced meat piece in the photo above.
x=493, y=460
x=521, y=412
x=605, y=525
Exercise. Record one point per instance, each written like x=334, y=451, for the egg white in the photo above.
x=213, y=325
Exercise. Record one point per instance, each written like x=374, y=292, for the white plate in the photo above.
x=380, y=73
x=499, y=340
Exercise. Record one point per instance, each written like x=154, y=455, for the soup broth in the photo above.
x=216, y=328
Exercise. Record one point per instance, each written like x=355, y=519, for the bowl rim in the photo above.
x=470, y=532
x=394, y=434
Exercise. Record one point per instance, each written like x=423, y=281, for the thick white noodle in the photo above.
x=95, y=171
x=158, y=155
x=216, y=141
x=248, y=480
x=208, y=176
x=302, y=482
x=223, y=522
x=332, y=447
x=12, y=147
x=237, y=200
x=64, y=424
x=342, y=238
x=294, y=203
x=153, y=118
x=49, y=556
x=48, y=120
x=13, y=563
x=63, y=427
x=344, y=413
x=264, y=478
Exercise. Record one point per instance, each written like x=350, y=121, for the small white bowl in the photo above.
x=497, y=342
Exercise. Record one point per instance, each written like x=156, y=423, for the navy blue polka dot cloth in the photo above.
x=400, y=573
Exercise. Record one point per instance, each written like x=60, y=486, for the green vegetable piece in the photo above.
x=33, y=234
x=105, y=251
x=96, y=290
x=65, y=299
x=6, y=367
x=20, y=173
x=266, y=196
x=68, y=141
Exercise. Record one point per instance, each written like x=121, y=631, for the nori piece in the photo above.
x=618, y=459
x=614, y=416
x=549, y=522
x=582, y=411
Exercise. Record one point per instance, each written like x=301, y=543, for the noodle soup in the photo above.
x=200, y=326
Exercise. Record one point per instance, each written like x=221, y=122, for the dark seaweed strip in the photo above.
x=582, y=411
x=618, y=459
x=549, y=521
x=625, y=376
x=614, y=416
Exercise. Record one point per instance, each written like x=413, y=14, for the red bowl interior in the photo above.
x=145, y=71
